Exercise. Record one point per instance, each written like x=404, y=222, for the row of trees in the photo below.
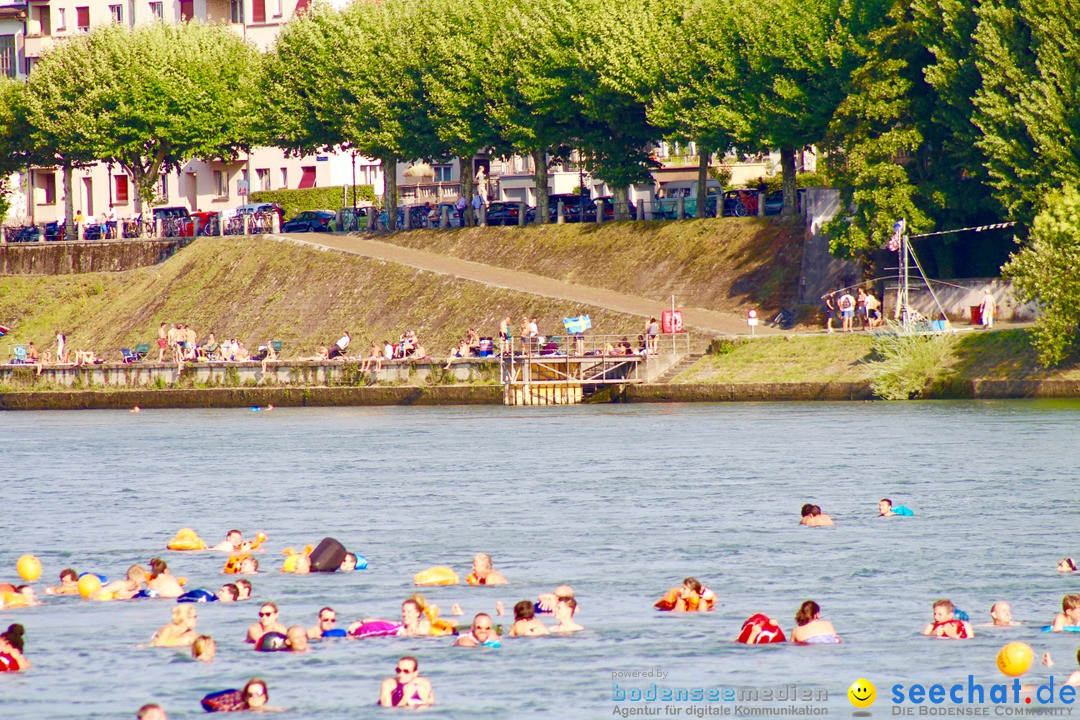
x=940, y=111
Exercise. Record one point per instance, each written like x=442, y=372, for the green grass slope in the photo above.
x=719, y=264
x=256, y=290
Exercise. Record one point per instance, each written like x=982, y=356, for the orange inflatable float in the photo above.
x=438, y=575
x=687, y=598
x=186, y=539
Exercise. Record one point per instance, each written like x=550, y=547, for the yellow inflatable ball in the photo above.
x=88, y=585
x=28, y=567
x=1015, y=659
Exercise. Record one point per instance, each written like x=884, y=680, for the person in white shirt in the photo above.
x=338, y=348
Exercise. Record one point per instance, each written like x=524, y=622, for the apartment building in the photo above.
x=28, y=29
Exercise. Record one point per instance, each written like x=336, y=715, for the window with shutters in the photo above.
x=258, y=11
x=7, y=55
x=82, y=18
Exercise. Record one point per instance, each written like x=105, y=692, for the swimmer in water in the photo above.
x=204, y=648
x=564, y=613
x=249, y=566
x=256, y=695
x=481, y=634
x=228, y=593
x=232, y=543
x=296, y=639
x=945, y=624
x=69, y=584
x=268, y=622
x=163, y=582
x=1069, y=615
x=151, y=711
x=884, y=507
x=123, y=589
x=525, y=622
x=1066, y=565
x=545, y=602
x=413, y=621
x=406, y=688
x=327, y=621
x=11, y=649
x=348, y=563
x=1001, y=615
x=1073, y=679
x=811, y=629
x=244, y=586
x=483, y=573
x=179, y=632
x=29, y=596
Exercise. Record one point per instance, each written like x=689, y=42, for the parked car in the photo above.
x=504, y=213
x=668, y=208
x=774, y=201
x=608, y=203
x=572, y=208
x=176, y=222
x=436, y=215
x=252, y=208
x=207, y=222
x=310, y=221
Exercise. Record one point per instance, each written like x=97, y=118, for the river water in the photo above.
x=622, y=502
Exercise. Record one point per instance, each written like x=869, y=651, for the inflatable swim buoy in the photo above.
x=186, y=539
x=28, y=567
x=769, y=631
x=232, y=565
x=6, y=587
x=335, y=633
x=271, y=642
x=327, y=555
x=8, y=663
x=361, y=562
x=671, y=599
x=145, y=593
x=13, y=600
x=376, y=628
x=1015, y=659
x=292, y=558
x=1067, y=628
x=902, y=510
x=438, y=575
x=89, y=584
x=439, y=627
x=668, y=601
x=260, y=538
x=197, y=596
x=224, y=701
x=473, y=580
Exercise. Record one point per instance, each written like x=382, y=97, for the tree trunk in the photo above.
x=389, y=168
x=787, y=166
x=69, y=204
x=702, y=179
x=540, y=177
x=466, y=189
x=622, y=194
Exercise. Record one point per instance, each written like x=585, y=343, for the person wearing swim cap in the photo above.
x=946, y=625
x=1001, y=615
x=406, y=688
x=483, y=573
x=1069, y=615
x=268, y=622
x=482, y=634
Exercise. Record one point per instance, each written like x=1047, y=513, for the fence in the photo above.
x=131, y=229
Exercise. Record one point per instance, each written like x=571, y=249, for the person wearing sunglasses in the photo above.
x=327, y=626
x=406, y=688
x=481, y=635
x=268, y=622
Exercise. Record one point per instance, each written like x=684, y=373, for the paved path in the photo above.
x=697, y=319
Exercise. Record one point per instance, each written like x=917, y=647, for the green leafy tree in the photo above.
x=148, y=98
x=1047, y=270
x=1027, y=107
x=16, y=138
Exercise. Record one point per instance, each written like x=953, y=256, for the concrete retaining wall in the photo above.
x=62, y=258
x=957, y=301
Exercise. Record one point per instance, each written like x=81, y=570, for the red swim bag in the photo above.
x=770, y=632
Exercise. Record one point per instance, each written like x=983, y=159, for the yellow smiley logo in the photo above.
x=862, y=693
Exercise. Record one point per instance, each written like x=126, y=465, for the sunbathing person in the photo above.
x=373, y=362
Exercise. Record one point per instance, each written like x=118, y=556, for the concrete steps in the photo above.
x=682, y=365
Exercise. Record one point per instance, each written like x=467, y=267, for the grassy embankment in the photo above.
x=257, y=290
x=719, y=264
x=975, y=355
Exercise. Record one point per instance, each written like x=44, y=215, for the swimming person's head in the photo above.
x=807, y=611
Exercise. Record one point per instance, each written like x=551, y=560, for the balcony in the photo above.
x=34, y=45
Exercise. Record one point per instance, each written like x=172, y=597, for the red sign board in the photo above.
x=671, y=321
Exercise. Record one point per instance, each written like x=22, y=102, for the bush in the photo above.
x=1045, y=271
x=907, y=363
x=319, y=198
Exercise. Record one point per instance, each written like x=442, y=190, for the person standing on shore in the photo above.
x=986, y=309
x=846, y=303
x=830, y=310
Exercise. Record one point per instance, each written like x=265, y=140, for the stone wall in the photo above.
x=62, y=258
x=821, y=271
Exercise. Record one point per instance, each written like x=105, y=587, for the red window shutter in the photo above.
x=121, y=189
x=82, y=17
x=187, y=9
x=302, y=6
x=258, y=11
x=307, y=180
